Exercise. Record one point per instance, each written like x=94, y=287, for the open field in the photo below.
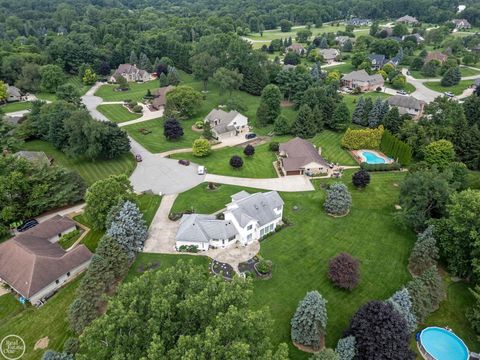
x=15, y=106
x=300, y=254
x=456, y=89
x=269, y=35
x=117, y=113
x=136, y=92
x=90, y=171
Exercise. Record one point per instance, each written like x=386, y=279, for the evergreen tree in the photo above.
x=451, y=77
x=133, y=58
x=393, y=121
x=367, y=108
x=162, y=78
x=114, y=255
x=249, y=150
x=144, y=63
x=358, y=116
x=346, y=348
x=309, y=323
x=281, y=125
x=402, y=303
x=325, y=354
x=207, y=131
x=338, y=200
x=341, y=117
x=473, y=314
x=172, y=76
x=126, y=225
x=54, y=355
x=318, y=118
x=304, y=125
x=424, y=253
x=172, y=130
x=375, y=115
x=271, y=98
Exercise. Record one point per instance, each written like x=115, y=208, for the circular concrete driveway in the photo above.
x=162, y=175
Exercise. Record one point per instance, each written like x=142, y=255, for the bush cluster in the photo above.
x=380, y=167
x=362, y=138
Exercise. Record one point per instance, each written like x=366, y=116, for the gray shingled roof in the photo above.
x=299, y=153
x=224, y=117
x=405, y=102
x=329, y=54
x=13, y=91
x=203, y=228
x=128, y=69
x=408, y=19
x=377, y=59
x=362, y=75
x=258, y=207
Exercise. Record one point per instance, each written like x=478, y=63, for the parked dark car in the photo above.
x=184, y=162
x=402, y=92
x=138, y=157
x=28, y=224
x=250, y=136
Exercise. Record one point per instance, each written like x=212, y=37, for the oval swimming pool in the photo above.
x=371, y=157
x=442, y=344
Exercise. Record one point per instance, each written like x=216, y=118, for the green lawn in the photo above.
x=148, y=205
x=46, y=96
x=16, y=106
x=155, y=141
x=136, y=92
x=269, y=35
x=117, y=113
x=464, y=70
x=32, y=323
x=9, y=306
x=91, y=171
x=409, y=88
x=160, y=262
x=351, y=100
x=260, y=165
x=452, y=314
x=329, y=141
x=343, y=68
x=456, y=89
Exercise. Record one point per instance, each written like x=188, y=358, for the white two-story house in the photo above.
x=247, y=218
x=226, y=124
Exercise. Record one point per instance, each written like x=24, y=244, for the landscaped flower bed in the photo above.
x=222, y=269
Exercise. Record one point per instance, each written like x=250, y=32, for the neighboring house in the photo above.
x=131, y=73
x=341, y=40
x=35, y=266
x=299, y=49
x=33, y=156
x=360, y=79
x=226, y=124
x=396, y=59
x=407, y=19
x=359, y=22
x=387, y=30
x=329, y=55
x=13, y=94
x=378, y=60
x=436, y=55
x=160, y=97
x=461, y=24
x=476, y=49
x=407, y=105
x=476, y=84
x=13, y=120
x=298, y=157
x=417, y=36
x=247, y=218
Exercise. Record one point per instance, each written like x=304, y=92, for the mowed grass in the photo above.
x=465, y=71
x=260, y=165
x=301, y=251
x=15, y=106
x=136, y=92
x=456, y=89
x=150, y=261
x=155, y=141
x=351, y=100
x=269, y=35
x=148, y=205
x=329, y=142
x=50, y=321
x=117, y=113
x=9, y=306
x=342, y=68
x=90, y=171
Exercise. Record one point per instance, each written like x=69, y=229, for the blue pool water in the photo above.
x=443, y=344
x=372, y=158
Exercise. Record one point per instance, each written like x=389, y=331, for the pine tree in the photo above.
x=318, y=118
x=163, y=80
x=338, y=200
x=144, y=62
x=133, y=58
x=346, y=348
x=207, y=130
x=341, y=117
x=116, y=259
x=172, y=76
x=402, y=303
x=374, y=117
x=126, y=225
x=309, y=323
x=424, y=253
x=281, y=126
x=304, y=125
x=367, y=108
x=358, y=116
x=393, y=121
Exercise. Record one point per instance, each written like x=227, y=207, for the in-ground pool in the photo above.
x=442, y=344
x=373, y=157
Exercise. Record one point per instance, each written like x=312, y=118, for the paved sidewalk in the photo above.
x=294, y=183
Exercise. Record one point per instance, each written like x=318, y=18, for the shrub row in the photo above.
x=362, y=138
x=380, y=167
x=396, y=148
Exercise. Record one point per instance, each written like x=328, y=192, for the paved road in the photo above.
x=288, y=183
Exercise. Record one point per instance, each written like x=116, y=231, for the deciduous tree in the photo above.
x=172, y=129
x=201, y=147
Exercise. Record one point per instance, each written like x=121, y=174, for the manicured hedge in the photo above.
x=380, y=167
x=396, y=148
x=363, y=138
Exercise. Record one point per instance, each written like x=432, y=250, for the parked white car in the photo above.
x=201, y=170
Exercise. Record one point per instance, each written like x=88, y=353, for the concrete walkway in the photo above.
x=294, y=183
x=161, y=234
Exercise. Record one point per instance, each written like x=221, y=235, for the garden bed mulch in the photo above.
x=249, y=267
x=222, y=269
x=308, y=349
